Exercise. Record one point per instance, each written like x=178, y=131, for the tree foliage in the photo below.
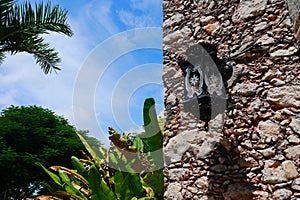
x=21, y=27
x=28, y=135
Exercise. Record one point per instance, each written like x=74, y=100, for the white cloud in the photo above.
x=23, y=82
x=143, y=13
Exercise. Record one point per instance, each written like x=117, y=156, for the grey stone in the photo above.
x=192, y=189
x=265, y=41
x=295, y=125
x=293, y=152
x=202, y=183
x=175, y=174
x=175, y=36
x=274, y=172
x=282, y=194
x=248, y=9
x=289, y=169
x=175, y=19
x=269, y=75
x=238, y=70
x=261, y=195
x=296, y=184
x=173, y=192
x=189, y=140
x=207, y=20
x=277, y=82
x=294, y=10
x=285, y=96
x=284, y=52
x=293, y=139
x=268, y=130
x=259, y=27
x=245, y=89
x=172, y=99
x=267, y=152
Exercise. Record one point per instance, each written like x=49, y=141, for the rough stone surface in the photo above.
x=285, y=96
x=187, y=140
x=173, y=192
x=295, y=125
x=254, y=152
x=296, y=184
x=294, y=9
x=245, y=89
x=268, y=130
x=247, y=9
x=293, y=152
x=238, y=191
x=275, y=172
x=283, y=194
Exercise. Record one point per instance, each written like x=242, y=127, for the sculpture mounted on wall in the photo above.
x=205, y=82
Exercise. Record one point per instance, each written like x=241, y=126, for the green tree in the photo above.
x=28, y=135
x=21, y=27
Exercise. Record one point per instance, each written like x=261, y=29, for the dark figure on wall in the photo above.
x=206, y=79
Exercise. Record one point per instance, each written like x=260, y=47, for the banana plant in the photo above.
x=99, y=175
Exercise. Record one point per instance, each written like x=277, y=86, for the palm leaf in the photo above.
x=22, y=25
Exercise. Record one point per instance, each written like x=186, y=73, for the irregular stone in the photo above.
x=172, y=99
x=175, y=19
x=189, y=140
x=277, y=82
x=289, y=169
x=245, y=89
x=202, y=183
x=261, y=195
x=192, y=189
x=238, y=191
x=238, y=70
x=175, y=174
x=293, y=139
x=255, y=105
x=208, y=20
x=296, y=184
x=282, y=194
x=293, y=152
x=248, y=9
x=284, y=52
x=264, y=42
x=259, y=27
x=269, y=75
x=170, y=38
x=274, y=172
x=267, y=152
x=173, y=192
x=268, y=130
x=285, y=96
x=295, y=125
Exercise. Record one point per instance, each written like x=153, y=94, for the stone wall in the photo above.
x=294, y=9
x=256, y=155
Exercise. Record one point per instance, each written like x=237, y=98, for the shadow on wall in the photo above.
x=227, y=174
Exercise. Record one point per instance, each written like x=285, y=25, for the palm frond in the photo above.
x=22, y=25
x=5, y=7
x=44, y=18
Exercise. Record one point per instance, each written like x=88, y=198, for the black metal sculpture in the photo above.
x=206, y=79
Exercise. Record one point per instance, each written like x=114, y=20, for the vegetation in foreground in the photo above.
x=102, y=176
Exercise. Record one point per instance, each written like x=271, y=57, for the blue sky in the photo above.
x=124, y=82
